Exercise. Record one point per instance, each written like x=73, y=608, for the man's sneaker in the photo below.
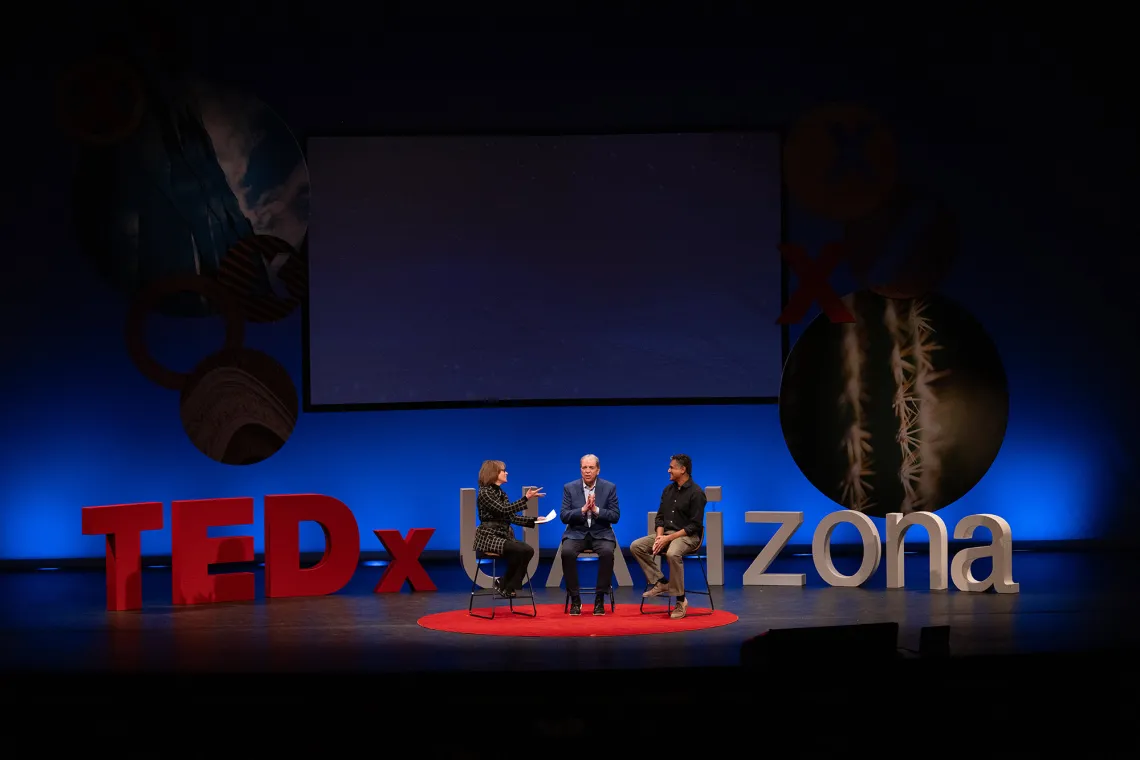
x=600, y=605
x=679, y=609
x=575, y=606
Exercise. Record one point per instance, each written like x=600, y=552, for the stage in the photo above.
x=1070, y=627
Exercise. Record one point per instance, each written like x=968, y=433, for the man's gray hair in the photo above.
x=597, y=462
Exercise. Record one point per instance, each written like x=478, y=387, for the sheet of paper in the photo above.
x=549, y=517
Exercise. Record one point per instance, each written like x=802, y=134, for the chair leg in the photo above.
x=475, y=591
x=708, y=589
x=668, y=603
x=533, y=606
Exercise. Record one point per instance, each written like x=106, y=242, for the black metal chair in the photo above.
x=589, y=555
x=701, y=556
x=492, y=592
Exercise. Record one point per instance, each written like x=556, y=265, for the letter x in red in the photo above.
x=404, y=563
x=813, y=284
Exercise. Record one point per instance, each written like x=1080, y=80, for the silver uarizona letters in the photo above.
x=1000, y=548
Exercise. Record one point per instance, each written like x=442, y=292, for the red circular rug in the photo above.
x=626, y=620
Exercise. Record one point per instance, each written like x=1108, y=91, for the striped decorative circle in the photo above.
x=267, y=276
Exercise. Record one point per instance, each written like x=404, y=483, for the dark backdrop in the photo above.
x=1025, y=140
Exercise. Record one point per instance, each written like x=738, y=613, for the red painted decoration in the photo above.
x=192, y=551
x=122, y=524
x=405, y=560
x=283, y=573
x=814, y=285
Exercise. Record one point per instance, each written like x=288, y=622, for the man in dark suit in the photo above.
x=589, y=509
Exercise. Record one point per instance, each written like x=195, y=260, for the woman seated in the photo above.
x=497, y=513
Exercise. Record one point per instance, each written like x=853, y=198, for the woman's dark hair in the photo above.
x=489, y=472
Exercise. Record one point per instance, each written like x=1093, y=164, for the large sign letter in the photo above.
x=712, y=543
x=1000, y=549
x=467, y=515
x=192, y=551
x=897, y=526
x=755, y=575
x=821, y=548
x=467, y=512
x=122, y=524
x=530, y=535
x=404, y=560
x=283, y=573
x=714, y=538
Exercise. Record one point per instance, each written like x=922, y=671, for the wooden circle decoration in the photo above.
x=239, y=407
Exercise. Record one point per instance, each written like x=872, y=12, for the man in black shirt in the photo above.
x=679, y=531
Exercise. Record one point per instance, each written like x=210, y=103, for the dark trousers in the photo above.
x=517, y=555
x=572, y=547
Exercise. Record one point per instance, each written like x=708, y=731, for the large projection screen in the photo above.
x=450, y=271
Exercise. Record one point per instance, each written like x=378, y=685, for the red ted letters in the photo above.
x=405, y=564
x=123, y=524
x=193, y=550
x=283, y=574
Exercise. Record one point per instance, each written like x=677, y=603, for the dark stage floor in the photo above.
x=1066, y=639
x=56, y=621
